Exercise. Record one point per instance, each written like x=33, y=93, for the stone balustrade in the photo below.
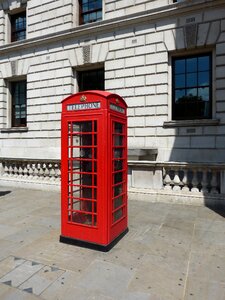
x=195, y=178
x=45, y=172
x=179, y=182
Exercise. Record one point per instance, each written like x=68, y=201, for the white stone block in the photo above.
x=220, y=72
x=169, y=40
x=125, y=72
x=135, y=61
x=145, y=70
x=155, y=79
x=116, y=45
x=146, y=131
x=157, y=99
x=156, y=121
x=203, y=30
x=115, y=64
x=136, y=122
x=135, y=41
x=156, y=58
x=221, y=37
x=147, y=179
x=220, y=84
x=214, y=32
x=134, y=81
x=203, y=142
x=125, y=53
x=145, y=50
x=146, y=90
x=136, y=142
x=162, y=89
x=136, y=101
x=155, y=37
x=162, y=110
x=145, y=111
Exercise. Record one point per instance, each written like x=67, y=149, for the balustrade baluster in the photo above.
x=195, y=181
x=46, y=172
x=204, y=182
x=15, y=171
x=6, y=171
x=167, y=180
x=176, y=180
x=214, y=185
x=10, y=170
x=185, y=181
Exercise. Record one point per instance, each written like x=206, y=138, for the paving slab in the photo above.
x=171, y=252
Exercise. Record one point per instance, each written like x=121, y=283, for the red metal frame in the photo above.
x=94, y=169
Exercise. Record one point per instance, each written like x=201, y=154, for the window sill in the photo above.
x=14, y=129
x=191, y=123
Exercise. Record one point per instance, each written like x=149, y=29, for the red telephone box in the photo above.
x=94, y=170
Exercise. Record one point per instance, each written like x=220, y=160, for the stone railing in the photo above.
x=31, y=171
x=194, y=178
x=189, y=183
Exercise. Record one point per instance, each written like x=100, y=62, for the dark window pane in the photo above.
x=203, y=63
x=192, y=88
x=191, y=79
x=19, y=103
x=191, y=93
x=90, y=11
x=203, y=78
x=91, y=80
x=180, y=81
x=191, y=65
x=203, y=93
x=179, y=94
x=18, y=27
x=180, y=66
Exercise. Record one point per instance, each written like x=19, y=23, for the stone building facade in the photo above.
x=166, y=58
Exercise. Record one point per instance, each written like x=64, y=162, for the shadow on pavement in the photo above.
x=3, y=193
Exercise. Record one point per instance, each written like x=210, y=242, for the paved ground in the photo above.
x=171, y=252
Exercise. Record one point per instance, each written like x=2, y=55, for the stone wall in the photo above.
x=136, y=52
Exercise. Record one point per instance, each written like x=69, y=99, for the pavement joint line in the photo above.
x=188, y=264
x=30, y=290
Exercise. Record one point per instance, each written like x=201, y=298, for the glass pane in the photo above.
x=117, y=215
x=179, y=94
x=118, y=128
x=203, y=78
x=191, y=64
x=191, y=93
x=118, y=190
x=118, y=202
x=180, y=81
x=118, y=140
x=180, y=66
x=118, y=177
x=81, y=218
x=118, y=153
x=118, y=165
x=203, y=93
x=203, y=63
x=192, y=80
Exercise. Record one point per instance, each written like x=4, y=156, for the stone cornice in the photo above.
x=104, y=26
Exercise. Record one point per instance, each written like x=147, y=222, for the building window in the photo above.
x=19, y=103
x=91, y=80
x=192, y=87
x=90, y=11
x=18, y=26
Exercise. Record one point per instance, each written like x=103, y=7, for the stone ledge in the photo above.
x=170, y=197
x=14, y=129
x=191, y=123
x=142, y=154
